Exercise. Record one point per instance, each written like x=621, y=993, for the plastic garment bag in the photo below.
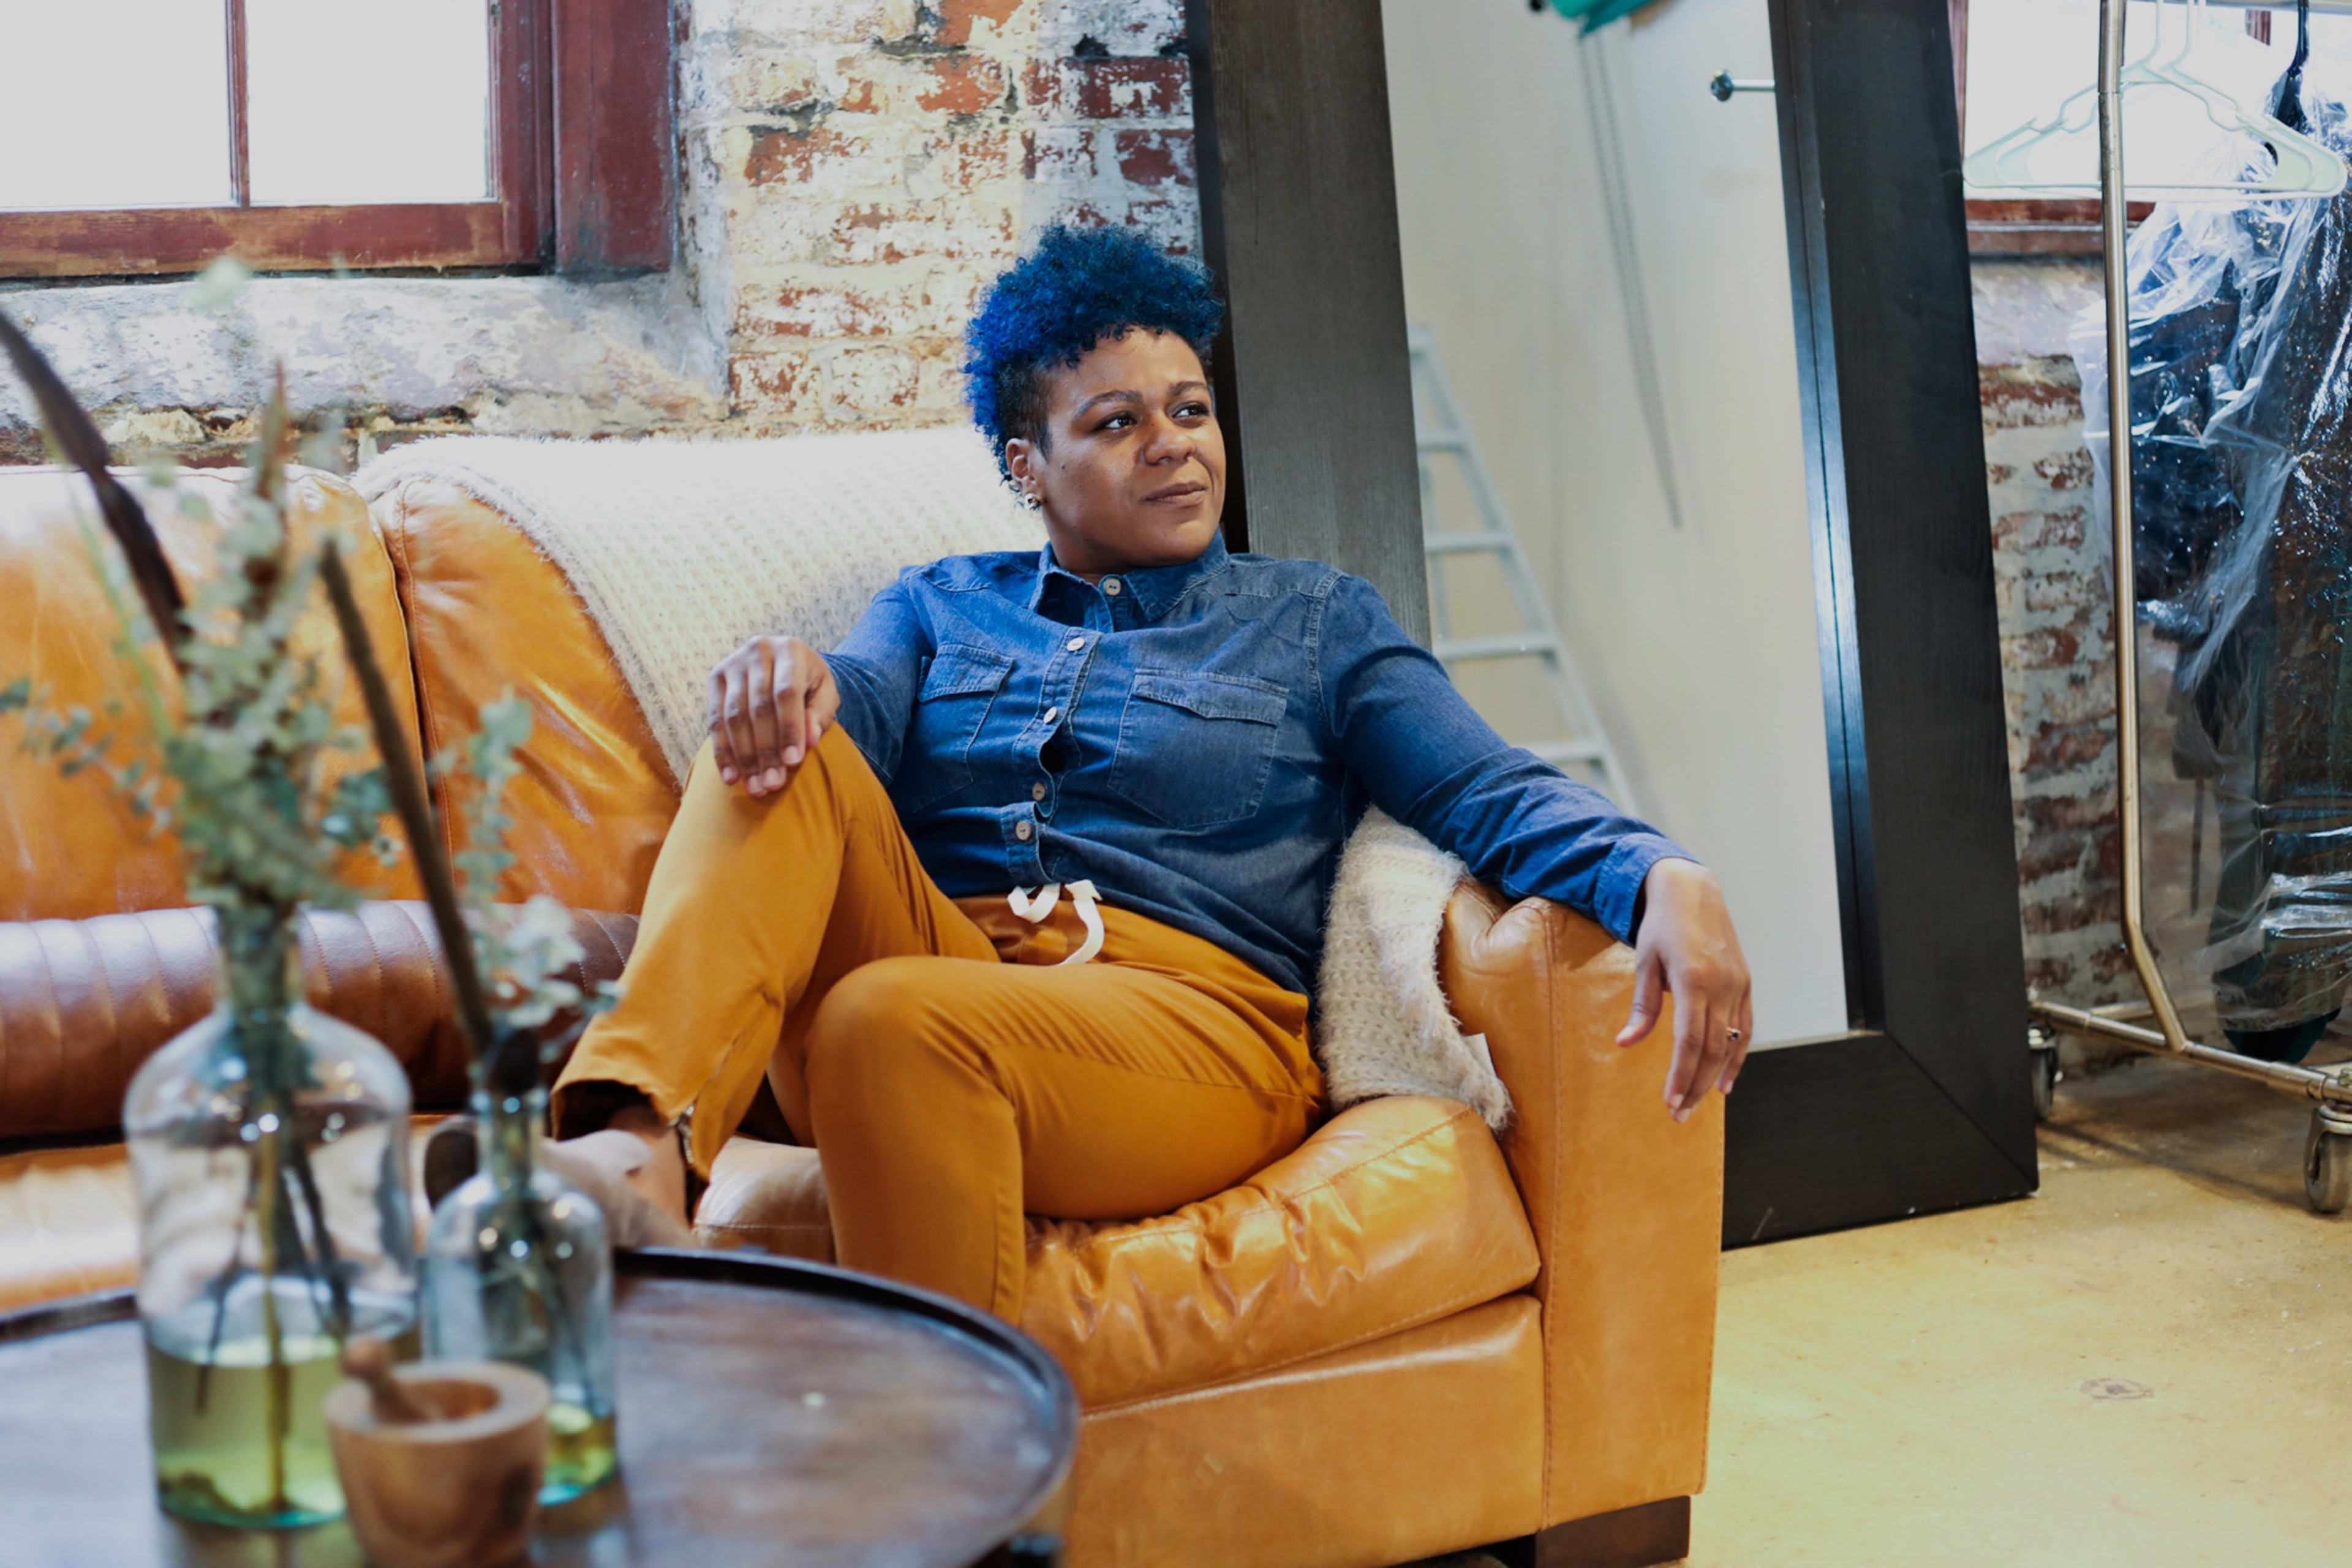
x=2241, y=487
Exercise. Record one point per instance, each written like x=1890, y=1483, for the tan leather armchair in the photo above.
x=1404, y=1338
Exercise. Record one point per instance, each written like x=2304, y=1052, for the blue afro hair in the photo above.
x=1054, y=305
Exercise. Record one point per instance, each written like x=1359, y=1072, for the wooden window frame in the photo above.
x=582, y=166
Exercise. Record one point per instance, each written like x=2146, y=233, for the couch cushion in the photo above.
x=67, y=1224
x=1395, y=1212
x=69, y=846
x=69, y=1218
x=489, y=615
x=769, y=1196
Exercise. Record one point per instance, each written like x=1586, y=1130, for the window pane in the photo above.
x=114, y=103
x=356, y=101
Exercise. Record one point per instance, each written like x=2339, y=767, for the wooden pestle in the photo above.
x=369, y=1361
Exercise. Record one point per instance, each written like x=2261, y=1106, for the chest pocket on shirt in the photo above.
x=1194, y=750
x=958, y=688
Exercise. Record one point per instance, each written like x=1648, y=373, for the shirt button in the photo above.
x=1075, y=644
x=1051, y=714
x=1021, y=831
x=1111, y=585
x=1037, y=791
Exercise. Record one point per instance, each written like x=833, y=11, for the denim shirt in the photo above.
x=1199, y=740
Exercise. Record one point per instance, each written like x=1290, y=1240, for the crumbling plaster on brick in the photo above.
x=851, y=173
x=875, y=165
x=2051, y=564
x=504, y=355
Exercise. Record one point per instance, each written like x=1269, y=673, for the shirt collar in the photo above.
x=1154, y=590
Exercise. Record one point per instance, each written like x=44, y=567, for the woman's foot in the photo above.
x=633, y=1171
x=660, y=1177
x=635, y=1176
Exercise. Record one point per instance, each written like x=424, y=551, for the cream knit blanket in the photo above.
x=681, y=550
x=1385, y=1026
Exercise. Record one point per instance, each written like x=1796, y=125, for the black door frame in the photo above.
x=1925, y=1103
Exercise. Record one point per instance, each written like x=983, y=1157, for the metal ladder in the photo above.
x=1440, y=433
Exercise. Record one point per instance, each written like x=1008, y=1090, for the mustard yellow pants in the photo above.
x=951, y=1073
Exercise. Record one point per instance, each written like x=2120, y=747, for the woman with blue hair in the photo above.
x=1014, y=896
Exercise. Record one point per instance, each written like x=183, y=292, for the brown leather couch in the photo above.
x=1404, y=1338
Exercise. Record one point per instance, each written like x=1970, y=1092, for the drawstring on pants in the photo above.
x=1035, y=906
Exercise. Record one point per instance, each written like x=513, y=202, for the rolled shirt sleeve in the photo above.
x=1426, y=758
x=879, y=667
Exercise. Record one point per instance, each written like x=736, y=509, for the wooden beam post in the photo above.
x=1299, y=216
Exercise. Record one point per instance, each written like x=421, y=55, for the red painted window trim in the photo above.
x=615, y=155
x=584, y=173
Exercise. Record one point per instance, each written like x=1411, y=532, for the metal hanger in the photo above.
x=2058, y=155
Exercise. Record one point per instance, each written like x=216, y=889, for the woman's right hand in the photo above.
x=768, y=702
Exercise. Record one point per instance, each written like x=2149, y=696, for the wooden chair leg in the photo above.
x=1642, y=1537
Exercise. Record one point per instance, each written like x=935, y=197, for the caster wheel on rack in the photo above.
x=2328, y=1165
x=2043, y=1052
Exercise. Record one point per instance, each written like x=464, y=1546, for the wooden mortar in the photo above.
x=451, y=1491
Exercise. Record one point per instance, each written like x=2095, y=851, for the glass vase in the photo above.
x=268, y=1146
x=518, y=1269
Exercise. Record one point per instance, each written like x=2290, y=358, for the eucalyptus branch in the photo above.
x=415, y=809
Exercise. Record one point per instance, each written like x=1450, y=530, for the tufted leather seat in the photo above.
x=1404, y=1338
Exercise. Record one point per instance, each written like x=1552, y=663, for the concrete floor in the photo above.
x=2146, y=1364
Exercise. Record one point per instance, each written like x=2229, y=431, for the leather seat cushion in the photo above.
x=1395, y=1212
x=67, y=1224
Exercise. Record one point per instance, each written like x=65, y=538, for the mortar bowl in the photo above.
x=459, y=1490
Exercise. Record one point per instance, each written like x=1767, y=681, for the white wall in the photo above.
x=1699, y=641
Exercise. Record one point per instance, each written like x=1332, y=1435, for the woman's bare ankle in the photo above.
x=662, y=1178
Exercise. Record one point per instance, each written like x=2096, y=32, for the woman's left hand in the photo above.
x=1686, y=947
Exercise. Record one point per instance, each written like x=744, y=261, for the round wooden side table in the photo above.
x=772, y=1412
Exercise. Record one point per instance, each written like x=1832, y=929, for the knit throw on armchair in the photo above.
x=681, y=550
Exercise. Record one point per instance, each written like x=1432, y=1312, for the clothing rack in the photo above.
x=2327, y=1149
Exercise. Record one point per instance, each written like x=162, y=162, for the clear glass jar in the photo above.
x=268, y=1145
x=518, y=1269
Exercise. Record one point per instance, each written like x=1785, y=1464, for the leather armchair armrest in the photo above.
x=83, y=1003
x=1625, y=1203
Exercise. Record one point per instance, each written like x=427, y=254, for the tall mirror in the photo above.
x=1736, y=444
x=1592, y=253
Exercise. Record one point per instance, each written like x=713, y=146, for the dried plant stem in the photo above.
x=280, y=1377
x=415, y=807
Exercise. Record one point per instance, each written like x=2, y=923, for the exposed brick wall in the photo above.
x=867, y=165
x=2050, y=566
x=852, y=173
